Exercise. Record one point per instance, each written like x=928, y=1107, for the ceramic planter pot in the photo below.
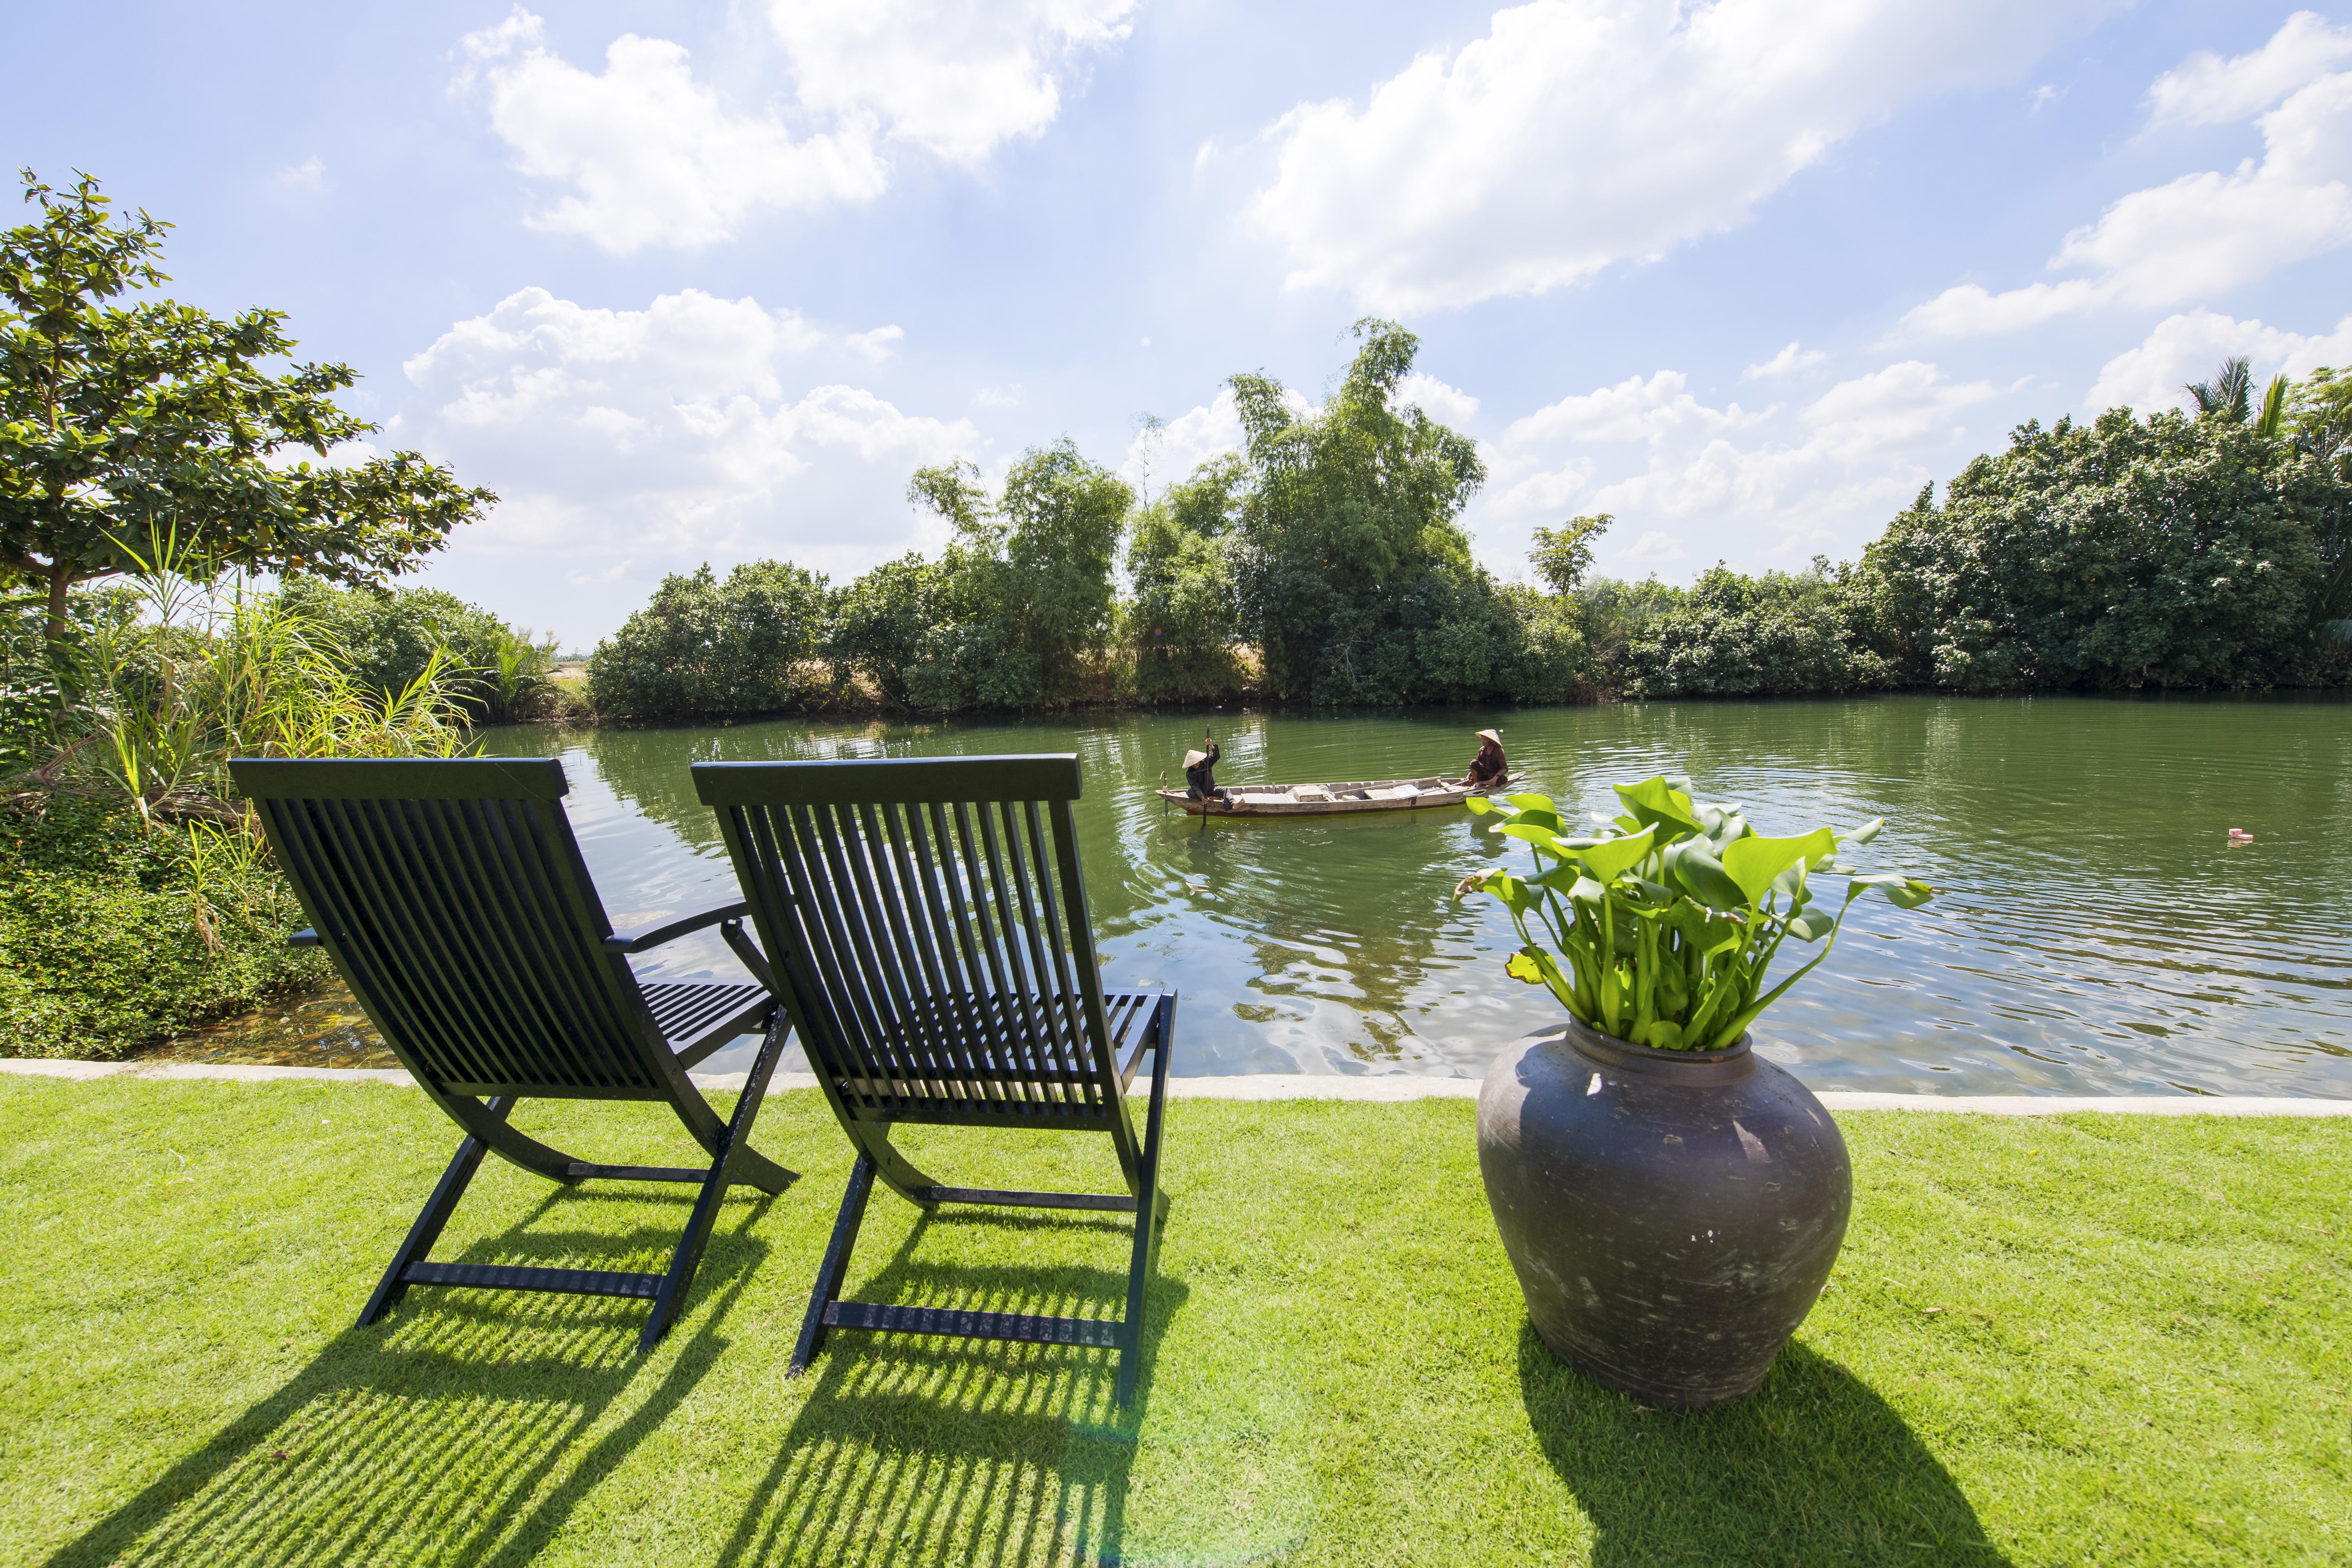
x=1671, y=1215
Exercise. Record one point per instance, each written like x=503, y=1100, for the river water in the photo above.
x=2094, y=930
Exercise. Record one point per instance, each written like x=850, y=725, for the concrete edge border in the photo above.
x=1386, y=1088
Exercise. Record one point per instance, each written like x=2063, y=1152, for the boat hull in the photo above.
x=1350, y=799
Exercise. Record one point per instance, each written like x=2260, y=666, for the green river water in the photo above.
x=2095, y=930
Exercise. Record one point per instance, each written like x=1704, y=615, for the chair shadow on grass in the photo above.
x=432, y=1435
x=914, y=1449
x=1813, y=1468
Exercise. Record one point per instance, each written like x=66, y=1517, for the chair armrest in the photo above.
x=660, y=932
x=307, y=937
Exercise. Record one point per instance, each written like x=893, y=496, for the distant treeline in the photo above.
x=1326, y=564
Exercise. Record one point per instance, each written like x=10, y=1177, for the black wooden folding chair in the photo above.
x=929, y=929
x=451, y=896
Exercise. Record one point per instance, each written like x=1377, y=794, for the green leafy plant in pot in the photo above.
x=1671, y=1202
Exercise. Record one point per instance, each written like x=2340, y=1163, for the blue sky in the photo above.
x=688, y=282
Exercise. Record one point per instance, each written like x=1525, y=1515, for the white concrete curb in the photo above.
x=1384, y=1089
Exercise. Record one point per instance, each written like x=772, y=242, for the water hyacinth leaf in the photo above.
x=1753, y=862
x=1530, y=802
x=1702, y=876
x=1654, y=803
x=1542, y=837
x=1479, y=806
x=1514, y=894
x=1614, y=857
x=1651, y=894
x=1902, y=892
x=1866, y=833
x=1790, y=884
x=1588, y=891
x=1813, y=924
x=1537, y=967
x=1535, y=817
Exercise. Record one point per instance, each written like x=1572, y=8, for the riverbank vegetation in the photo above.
x=2110, y=1339
x=150, y=487
x=1326, y=564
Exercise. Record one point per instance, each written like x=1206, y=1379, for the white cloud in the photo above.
x=1971, y=308
x=2186, y=348
x=2206, y=89
x=1652, y=550
x=956, y=79
x=1446, y=404
x=878, y=344
x=1855, y=456
x=1005, y=397
x=1658, y=410
x=665, y=434
x=1578, y=133
x=308, y=176
x=648, y=154
x=2201, y=234
x=1789, y=359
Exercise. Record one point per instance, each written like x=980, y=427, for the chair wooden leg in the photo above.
x=835, y=1268
x=1150, y=1211
x=430, y=1220
x=735, y=1158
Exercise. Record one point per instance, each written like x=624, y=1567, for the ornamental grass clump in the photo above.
x=1660, y=927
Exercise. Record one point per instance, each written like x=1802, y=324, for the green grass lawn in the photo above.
x=2098, y=1340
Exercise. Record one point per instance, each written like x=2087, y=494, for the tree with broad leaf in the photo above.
x=123, y=424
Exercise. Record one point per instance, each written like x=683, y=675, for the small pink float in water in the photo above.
x=2240, y=836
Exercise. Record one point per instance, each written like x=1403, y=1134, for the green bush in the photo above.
x=1554, y=662
x=707, y=649
x=1730, y=634
x=2125, y=554
x=113, y=937
x=1183, y=626
x=386, y=639
x=880, y=625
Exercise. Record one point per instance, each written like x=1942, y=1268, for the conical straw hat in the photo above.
x=1194, y=759
x=1490, y=735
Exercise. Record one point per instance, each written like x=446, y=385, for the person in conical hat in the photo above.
x=1489, y=767
x=1200, y=774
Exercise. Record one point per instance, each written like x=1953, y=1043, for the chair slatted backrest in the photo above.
x=930, y=920
x=452, y=895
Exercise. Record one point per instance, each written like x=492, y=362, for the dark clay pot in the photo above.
x=1672, y=1214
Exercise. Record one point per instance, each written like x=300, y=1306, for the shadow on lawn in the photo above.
x=962, y=1450
x=1814, y=1467
x=423, y=1437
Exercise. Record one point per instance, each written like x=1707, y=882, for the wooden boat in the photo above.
x=1335, y=799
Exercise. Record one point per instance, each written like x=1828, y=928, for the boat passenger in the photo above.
x=1200, y=781
x=1488, y=768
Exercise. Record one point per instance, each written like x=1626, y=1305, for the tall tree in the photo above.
x=120, y=425
x=1025, y=587
x=1563, y=555
x=1351, y=569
